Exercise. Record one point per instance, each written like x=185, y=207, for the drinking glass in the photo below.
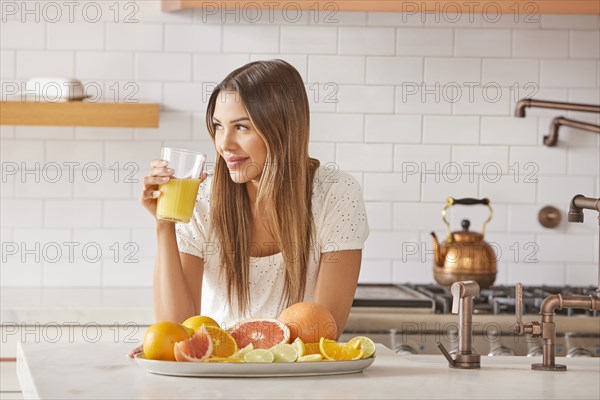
x=178, y=196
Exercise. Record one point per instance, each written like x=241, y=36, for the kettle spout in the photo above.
x=437, y=251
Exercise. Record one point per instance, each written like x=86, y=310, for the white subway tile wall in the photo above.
x=417, y=107
x=45, y=63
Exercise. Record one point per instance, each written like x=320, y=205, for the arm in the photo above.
x=336, y=283
x=177, y=278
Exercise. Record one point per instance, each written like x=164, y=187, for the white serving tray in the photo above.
x=222, y=369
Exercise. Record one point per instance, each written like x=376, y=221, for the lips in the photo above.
x=233, y=162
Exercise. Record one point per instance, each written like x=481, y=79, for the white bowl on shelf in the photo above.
x=53, y=89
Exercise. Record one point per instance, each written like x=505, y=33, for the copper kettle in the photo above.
x=464, y=255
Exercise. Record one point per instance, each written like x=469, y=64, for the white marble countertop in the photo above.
x=101, y=370
x=102, y=306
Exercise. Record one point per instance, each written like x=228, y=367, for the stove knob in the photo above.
x=405, y=350
x=502, y=351
x=580, y=352
x=536, y=351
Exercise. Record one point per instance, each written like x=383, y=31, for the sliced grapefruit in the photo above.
x=195, y=349
x=263, y=333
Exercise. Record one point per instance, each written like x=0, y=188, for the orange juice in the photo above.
x=177, y=199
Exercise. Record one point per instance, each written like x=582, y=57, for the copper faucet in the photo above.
x=578, y=204
x=546, y=329
x=552, y=138
x=462, y=304
x=556, y=105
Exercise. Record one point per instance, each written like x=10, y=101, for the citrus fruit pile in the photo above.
x=303, y=333
x=298, y=351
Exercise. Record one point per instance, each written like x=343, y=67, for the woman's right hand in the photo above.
x=160, y=174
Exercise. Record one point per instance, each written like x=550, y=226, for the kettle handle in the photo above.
x=466, y=201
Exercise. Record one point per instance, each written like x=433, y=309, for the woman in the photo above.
x=271, y=227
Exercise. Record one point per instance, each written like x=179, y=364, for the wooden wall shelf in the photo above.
x=80, y=113
x=507, y=6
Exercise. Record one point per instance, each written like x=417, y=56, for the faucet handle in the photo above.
x=461, y=290
x=532, y=328
x=519, y=327
x=455, y=303
x=455, y=290
x=451, y=361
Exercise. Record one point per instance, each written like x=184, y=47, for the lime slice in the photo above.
x=241, y=353
x=366, y=344
x=300, y=347
x=259, y=355
x=284, y=352
x=310, y=358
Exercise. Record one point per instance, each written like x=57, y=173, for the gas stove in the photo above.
x=413, y=318
x=499, y=300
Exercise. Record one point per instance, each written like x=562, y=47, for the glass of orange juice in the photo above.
x=178, y=196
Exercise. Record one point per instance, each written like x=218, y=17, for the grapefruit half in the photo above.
x=195, y=349
x=262, y=333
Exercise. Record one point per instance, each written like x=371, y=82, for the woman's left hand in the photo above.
x=135, y=351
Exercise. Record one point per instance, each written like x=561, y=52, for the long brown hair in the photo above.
x=275, y=98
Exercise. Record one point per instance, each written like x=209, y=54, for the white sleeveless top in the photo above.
x=340, y=224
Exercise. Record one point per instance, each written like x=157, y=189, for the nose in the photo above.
x=227, y=140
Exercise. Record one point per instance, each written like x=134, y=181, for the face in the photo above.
x=237, y=140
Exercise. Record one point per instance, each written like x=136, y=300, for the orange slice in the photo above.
x=332, y=350
x=312, y=348
x=223, y=344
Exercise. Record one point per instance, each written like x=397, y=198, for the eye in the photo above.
x=217, y=126
x=242, y=127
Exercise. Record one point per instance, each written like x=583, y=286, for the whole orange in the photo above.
x=309, y=321
x=197, y=321
x=160, y=339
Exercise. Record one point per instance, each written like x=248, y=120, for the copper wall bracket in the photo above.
x=549, y=217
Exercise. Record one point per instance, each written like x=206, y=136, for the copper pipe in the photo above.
x=558, y=302
x=578, y=204
x=552, y=138
x=547, y=309
x=465, y=320
x=549, y=339
x=526, y=103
